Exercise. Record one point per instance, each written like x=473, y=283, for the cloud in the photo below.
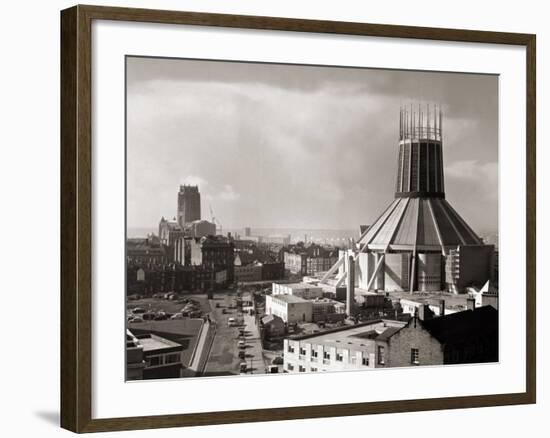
x=228, y=193
x=473, y=170
x=193, y=180
x=318, y=144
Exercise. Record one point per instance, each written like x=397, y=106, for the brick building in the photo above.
x=309, y=260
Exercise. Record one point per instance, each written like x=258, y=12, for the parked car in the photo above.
x=242, y=354
x=178, y=315
x=272, y=369
x=148, y=316
x=231, y=322
x=195, y=314
x=136, y=319
x=137, y=310
x=243, y=367
x=242, y=344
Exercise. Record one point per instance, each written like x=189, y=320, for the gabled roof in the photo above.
x=465, y=325
x=388, y=333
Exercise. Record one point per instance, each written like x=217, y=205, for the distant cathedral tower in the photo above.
x=189, y=204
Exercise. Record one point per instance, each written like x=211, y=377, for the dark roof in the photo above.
x=461, y=326
x=388, y=333
x=246, y=258
x=369, y=334
x=136, y=246
x=270, y=319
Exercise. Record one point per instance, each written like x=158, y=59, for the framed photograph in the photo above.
x=271, y=218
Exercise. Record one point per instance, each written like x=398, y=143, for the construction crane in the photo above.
x=215, y=220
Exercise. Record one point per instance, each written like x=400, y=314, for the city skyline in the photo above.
x=262, y=159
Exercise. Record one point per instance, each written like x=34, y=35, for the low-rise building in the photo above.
x=273, y=270
x=470, y=336
x=375, y=344
x=310, y=259
x=149, y=356
x=134, y=358
x=273, y=326
x=145, y=251
x=302, y=290
x=328, y=310
x=291, y=309
x=213, y=253
x=248, y=273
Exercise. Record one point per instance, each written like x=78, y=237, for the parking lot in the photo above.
x=159, y=308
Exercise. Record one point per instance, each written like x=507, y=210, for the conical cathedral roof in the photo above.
x=419, y=218
x=422, y=224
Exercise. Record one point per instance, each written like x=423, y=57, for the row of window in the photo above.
x=339, y=357
x=163, y=359
x=380, y=350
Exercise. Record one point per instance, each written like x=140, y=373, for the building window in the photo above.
x=302, y=351
x=155, y=361
x=414, y=356
x=314, y=353
x=290, y=348
x=365, y=361
x=381, y=353
x=301, y=369
x=171, y=358
x=313, y=370
x=339, y=357
x=289, y=367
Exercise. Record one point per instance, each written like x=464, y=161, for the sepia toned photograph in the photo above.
x=287, y=218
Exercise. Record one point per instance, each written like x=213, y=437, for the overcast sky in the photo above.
x=298, y=146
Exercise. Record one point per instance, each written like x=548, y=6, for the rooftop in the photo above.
x=153, y=342
x=452, y=301
x=291, y=299
x=181, y=331
x=300, y=285
x=461, y=326
x=355, y=336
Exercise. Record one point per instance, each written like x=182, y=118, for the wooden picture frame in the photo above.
x=76, y=217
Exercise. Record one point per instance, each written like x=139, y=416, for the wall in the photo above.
x=413, y=336
x=30, y=38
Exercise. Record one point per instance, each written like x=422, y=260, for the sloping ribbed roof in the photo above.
x=407, y=230
x=425, y=222
x=388, y=228
x=373, y=229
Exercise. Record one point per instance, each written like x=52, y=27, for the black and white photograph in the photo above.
x=285, y=218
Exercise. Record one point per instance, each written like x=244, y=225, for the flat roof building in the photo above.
x=303, y=290
x=160, y=357
x=291, y=309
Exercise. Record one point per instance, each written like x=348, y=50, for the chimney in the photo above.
x=424, y=312
x=471, y=303
x=350, y=291
x=441, y=307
